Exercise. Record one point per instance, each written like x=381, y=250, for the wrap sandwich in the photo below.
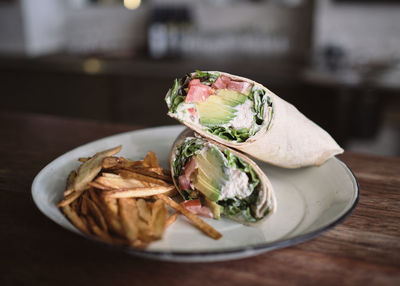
x=215, y=180
x=245, y=115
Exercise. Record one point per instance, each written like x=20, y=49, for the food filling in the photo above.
x=219, y=182
x=231, y=109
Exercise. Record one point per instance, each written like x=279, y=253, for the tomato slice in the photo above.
x=195, y=207
x=198, y=92
x=192, y=111
x=194, y=82
x=191, y=204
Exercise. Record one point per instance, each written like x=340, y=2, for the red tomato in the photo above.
x=192, y=111
x=195, y=207
x=194, y=82
x=198, y=92
x=191, y=204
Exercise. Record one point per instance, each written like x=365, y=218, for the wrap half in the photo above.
x=245, y=115
x=217, y=180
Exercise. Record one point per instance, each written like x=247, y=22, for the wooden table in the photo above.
x=363, y=250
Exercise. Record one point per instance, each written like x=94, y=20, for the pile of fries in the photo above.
x=122, y=201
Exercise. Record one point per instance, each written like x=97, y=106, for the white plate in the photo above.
x=309, y=201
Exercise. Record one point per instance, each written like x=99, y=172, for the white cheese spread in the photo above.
x=244, y=116
x=183, y=113
x=237, y=186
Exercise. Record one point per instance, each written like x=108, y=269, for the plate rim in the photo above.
x=201, y=256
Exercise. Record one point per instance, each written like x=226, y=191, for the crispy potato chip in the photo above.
x=89, y=169
x=129, y=216
x=151, y=160
x=172, y=218
x=198, y=222
x=70, y=182
x=69, y=199
x=71, y=179
x=75, y=219
x=99, y=186
x=105, y=205
x=111, y=214
x=67, y=192
x=125, y=174
x=97, y=214
x=119, y=183
x=110, y=162
x=147, y=172
x=98, y=231
x=144, y=211
x=167, y=173
x=84, y=209
x=139, y=192
x=83, y=159
x=95, y=197
x=145, y=233
x=119, y=163
x=158, y=219
x=110, y=175
x=75, y=205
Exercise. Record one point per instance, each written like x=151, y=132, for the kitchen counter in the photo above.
x=363, y=250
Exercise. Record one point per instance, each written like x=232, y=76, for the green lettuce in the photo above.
x=228, y=133
x=184, y=152
x=176, y=96
x=205, y=77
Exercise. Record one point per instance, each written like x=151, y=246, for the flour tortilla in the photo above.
x=266, y=198
x=291, y=140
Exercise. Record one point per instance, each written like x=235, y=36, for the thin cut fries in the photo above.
x=198, y=222
x=172, y=218
x=139, y=192
x=151, y=160
x=122, y=201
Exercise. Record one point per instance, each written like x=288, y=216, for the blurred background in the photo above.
x=338, y=61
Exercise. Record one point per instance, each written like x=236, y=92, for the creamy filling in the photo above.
x=237, y=186
x=244, y=116
x=184, y=114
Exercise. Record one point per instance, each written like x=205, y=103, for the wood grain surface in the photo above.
x=363, y=250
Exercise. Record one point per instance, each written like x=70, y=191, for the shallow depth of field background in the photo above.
x=337, y=61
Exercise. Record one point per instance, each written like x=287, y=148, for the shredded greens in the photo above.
x=206, y=77
x=185, y=151
x=227, y=133
x=258, y=97
x=176, y=96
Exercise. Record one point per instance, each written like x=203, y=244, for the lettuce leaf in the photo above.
x=184, y=152
x=206, y=77
x=176, y=96
x=257, y=95
x=228, y=133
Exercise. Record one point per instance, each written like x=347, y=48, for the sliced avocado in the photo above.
x=219, y=109
x=215, y=208
x=211, y=175
x=231, y=97
x=207, y=188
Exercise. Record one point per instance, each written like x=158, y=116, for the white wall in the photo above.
x=364, y=31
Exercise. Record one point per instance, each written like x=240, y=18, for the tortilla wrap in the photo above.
x=287, y=138
x=266, y=197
